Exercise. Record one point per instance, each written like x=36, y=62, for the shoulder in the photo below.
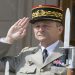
x=28, y=49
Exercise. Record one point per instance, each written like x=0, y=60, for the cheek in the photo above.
x=57, y=33
x=53, y=33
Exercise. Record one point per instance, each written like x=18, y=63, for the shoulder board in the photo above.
x=25, y=49
x=28, y=49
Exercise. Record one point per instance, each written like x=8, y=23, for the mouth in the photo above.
x=40, y=35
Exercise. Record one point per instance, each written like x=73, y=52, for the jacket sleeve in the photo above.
x=13, y=63
x=4, y=48
x=3, y=61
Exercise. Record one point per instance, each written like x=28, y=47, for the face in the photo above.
x=47, y=31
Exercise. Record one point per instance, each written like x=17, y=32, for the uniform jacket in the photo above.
x=30, y=61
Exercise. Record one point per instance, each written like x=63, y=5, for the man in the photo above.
x=45, y=59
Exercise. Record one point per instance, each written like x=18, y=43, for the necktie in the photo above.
x=45, y=54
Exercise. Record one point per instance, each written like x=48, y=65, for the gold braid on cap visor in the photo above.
x=40, y=13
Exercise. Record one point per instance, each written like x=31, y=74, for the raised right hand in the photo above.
x=17, y=31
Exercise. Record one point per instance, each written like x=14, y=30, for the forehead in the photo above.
x=44, y=22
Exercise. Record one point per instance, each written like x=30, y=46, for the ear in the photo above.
x=60, y=29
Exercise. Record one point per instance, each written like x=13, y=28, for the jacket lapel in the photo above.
x=51, y=58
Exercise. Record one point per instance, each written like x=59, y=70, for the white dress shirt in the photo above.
x=50, y=48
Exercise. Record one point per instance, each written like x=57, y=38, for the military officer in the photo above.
x=45, y=59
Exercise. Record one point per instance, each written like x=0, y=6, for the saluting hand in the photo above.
x=17, y=31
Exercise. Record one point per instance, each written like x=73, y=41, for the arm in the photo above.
x=4, y=47
x=16, y=32
x=14, y=62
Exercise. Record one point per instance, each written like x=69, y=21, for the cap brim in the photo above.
x=32, y=21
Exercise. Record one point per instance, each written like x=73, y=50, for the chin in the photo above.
x=41, y=39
